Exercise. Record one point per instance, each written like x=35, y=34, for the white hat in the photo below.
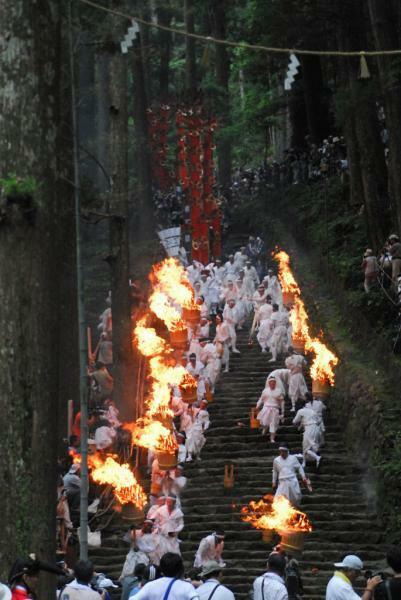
x=350, y=562
x=5, y=592
x=107, y=583
x=74, y=468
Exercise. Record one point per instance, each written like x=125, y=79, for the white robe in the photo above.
x=310, y=422
x=231, y=271
x=265, y=333
x=279, y=339
x=167, y=522
x=273, y=405
x=148, y=543
x=297, y=387
x=195, y=438
x=208, y=551
x=274, y=289
x=285, y=474
x=251, y=280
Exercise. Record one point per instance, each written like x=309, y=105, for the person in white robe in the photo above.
x=243, y=305
x=307, y=420
x=279, y=339
x=282, y=377
x=169, y=521
x=208, y=355
x=259, y=298
x=205, y=282
x=230, y=317
x=240, y=258
x=174, y=484
x=210, y=548
x=219, y=272
x=222, y=341
x=203, y=307
x=286, y=469
x=319, y=407
x=251, y=279
x=147, y=541
x=271, y=403
x=231, y=268
x=264, y=335
x=274, y=287
x=265, y=310
x=228, y=292
x=214, y=295
x=133, y=558
x=297, y=388
x=195, y=432
x=194, y=271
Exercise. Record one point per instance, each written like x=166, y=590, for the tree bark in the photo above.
x=384, y=20
x=145, y=224
x=190, y=55
x=218, y=22
x=119, y=241
x=315, y=98
x=371, y=150
x=29, y=79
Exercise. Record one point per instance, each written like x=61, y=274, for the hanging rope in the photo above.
x=258, y=47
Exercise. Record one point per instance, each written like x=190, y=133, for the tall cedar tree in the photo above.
x=119, y=241
x=29, y=80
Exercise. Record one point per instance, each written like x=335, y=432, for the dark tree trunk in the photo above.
x=164, y=16
x=384, y=20
x=119, y=243
x=68, y=310
x=218, y=23
x=29, y=73
x=145, y=229
x=371, y=150
x=102, y=86
x=315, y=98
x=190, y=55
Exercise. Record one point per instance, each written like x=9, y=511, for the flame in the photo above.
x=159, y=303
x=154, y=435
x=171, y=292
x=147, y=340
x=323, y=363
x=125, y=486
x=325, y=360
x=278, y=514
x=286, y=278
x=170, y=277
x=299, y=320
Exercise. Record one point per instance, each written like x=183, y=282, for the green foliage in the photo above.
x=14, y=185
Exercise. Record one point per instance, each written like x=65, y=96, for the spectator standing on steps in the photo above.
x=212, y=574
x=270, y=585
x=340, y=586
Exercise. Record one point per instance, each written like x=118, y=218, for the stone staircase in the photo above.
x=342, y=520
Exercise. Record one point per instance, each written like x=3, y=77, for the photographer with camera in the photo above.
x=340, y=586
x=390, y=588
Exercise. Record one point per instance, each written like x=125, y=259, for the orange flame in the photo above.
x=325, y=360
x=125, y=486
x=278, y=514
x=154, y=435
x=171, y=292
x=323, y=363
x=286, y=278
x=147, y=340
